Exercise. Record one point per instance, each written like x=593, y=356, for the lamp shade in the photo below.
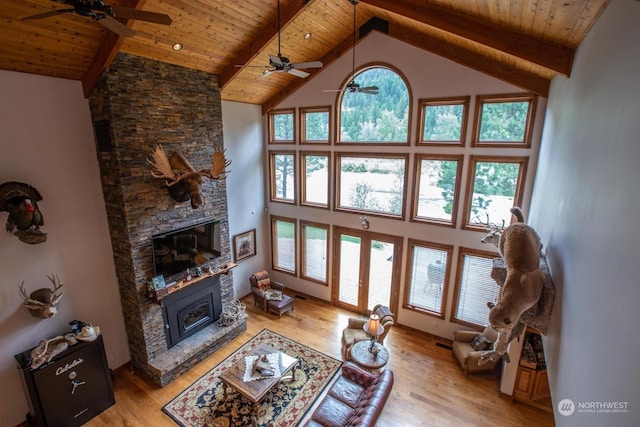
x=373, y=327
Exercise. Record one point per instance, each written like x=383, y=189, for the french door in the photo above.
x=366, y=268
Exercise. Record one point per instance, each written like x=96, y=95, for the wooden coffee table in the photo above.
x=363, y=357
x=256, y=390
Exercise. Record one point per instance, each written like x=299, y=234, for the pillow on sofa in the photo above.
x=480, y=342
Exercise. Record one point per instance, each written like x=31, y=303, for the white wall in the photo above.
x=429, y=76
x=46, y=140
x=243, y=139
x=587, y=210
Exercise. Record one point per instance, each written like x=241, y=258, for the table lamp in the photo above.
x=373, y=328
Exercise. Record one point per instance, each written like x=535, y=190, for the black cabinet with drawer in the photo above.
x=71, y=389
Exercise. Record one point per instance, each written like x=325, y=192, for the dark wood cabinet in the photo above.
x=71, y=389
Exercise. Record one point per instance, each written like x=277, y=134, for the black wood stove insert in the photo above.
x=191, y=309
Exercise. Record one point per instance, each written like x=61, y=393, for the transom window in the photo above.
x=443, y=120
x=314, y=125
x=282, y=126
x=504, y=120
x=381, y=118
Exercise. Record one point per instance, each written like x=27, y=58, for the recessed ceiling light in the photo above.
x=177, y=46
x=308, y=36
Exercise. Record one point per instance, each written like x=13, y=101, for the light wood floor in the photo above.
x=429, y=389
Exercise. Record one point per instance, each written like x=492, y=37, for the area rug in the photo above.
x=203, y=404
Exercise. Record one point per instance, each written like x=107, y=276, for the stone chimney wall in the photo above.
x=138, y=104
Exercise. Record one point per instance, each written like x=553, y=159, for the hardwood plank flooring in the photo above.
x=430, y=388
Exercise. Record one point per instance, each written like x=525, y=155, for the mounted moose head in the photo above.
x=182, y=180
x=43, y=302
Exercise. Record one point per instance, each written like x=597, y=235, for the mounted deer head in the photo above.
x=43, y=302
x=181, y=179
x=493, y=233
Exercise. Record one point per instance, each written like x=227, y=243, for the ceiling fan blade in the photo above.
x=48, y=14
x=142, y=15
x=369, y=89
x=117, y=27
x=311, y=64
x=298, y=73
x=275, y=59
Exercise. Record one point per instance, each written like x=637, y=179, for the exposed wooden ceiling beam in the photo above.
x=108, y=50
x=287, y=14
x=520, y=78
x=543, y=53
x=517, y=77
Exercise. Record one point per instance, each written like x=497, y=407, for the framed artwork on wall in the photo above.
x=244, y=245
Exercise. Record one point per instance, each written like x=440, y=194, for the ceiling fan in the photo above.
x=105, y=15
x=352, y=86
x=281, y=64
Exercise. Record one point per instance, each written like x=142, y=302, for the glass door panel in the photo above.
x=380, y=273
x=349, y=271
x=367, y=269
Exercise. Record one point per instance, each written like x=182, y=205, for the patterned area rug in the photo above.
x=203, y=403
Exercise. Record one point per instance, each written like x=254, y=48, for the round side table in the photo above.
x=361, y=355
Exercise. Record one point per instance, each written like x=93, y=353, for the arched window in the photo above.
x=370, y=118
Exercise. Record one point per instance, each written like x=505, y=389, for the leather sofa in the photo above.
x=356, y=398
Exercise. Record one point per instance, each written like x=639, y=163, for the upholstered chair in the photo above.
x=354, y=332
x=269, y=295
x=468, y=347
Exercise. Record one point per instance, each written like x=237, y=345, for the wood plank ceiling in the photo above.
x=523, y=42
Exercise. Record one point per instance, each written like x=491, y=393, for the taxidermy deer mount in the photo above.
x=43, y=302
x=182, y=180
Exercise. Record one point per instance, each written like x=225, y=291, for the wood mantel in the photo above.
x=158, y=295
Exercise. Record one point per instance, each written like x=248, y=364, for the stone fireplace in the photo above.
x=137, y=104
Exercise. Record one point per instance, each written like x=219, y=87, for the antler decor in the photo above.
x=43, y=302
x=181, y=179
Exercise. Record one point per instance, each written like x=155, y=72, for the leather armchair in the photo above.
x=354, y=333
x=467, y=356
x=261, y=287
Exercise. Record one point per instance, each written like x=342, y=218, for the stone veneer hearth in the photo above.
x=137, y=104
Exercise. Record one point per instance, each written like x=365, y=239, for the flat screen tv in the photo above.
x=178, y=250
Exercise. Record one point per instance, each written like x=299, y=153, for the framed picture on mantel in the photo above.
x=244, y=245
